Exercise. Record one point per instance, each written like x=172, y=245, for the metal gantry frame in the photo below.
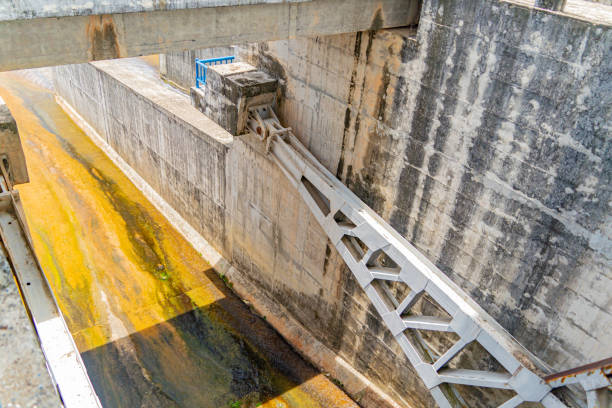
x=378, y=255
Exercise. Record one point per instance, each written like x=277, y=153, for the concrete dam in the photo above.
x=306, y=203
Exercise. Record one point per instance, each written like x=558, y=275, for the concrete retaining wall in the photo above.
x=485, y=140
x=177, y=150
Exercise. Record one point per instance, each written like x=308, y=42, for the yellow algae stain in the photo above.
x=96, y=235
x=152, y=60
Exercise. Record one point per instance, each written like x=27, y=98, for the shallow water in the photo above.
x=154, y=324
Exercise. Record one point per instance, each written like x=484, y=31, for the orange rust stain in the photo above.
x=103, y=38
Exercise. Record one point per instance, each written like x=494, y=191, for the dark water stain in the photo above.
x=420, y=128
x=448, y=111
x=381, y=94
x=363, y=183
x=378, y=21
x=349, y=102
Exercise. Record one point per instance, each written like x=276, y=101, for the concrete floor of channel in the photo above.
x=155, y=325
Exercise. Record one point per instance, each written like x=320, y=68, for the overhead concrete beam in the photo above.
x=69, y=36
x=29, y=9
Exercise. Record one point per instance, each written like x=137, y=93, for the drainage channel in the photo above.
x=153, y=322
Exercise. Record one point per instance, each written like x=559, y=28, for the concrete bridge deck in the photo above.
x=38, y=34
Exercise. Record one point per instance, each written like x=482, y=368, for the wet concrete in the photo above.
x=155, y=325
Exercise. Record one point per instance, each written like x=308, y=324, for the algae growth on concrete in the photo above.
x=153, y=322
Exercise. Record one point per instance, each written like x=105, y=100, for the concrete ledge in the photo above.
x=67, y=8
x=129, y=74
x=583, y=10
x=24, y=377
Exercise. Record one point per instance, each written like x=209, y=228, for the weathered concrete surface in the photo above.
x=38, y=42
x=11, y=146
x=155, y=326
x=24, y=378
x=554, y=5
x=196, y=173
x=484, y=138
x=32, y=9
x=231, y=89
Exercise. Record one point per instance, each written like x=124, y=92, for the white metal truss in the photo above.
x=363, y=239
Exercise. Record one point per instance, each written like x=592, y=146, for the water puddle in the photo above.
x=155, y=325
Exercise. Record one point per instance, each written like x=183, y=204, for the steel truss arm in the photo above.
x=361, y=237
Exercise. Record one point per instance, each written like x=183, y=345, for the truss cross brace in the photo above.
x=361, y=236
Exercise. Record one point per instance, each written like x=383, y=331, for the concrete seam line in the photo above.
x=355, y=383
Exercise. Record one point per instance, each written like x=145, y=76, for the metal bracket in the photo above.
x=378, y=256
x=264, y=124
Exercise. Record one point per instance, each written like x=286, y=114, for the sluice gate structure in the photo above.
x=385, y=264
x=369, y=293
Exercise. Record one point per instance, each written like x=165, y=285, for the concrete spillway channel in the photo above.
x=155, y=325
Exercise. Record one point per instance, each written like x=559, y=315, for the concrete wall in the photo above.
x=10, y=146
x=486, y=142
x=183, y=74
x=484, y=139
x=66, y=8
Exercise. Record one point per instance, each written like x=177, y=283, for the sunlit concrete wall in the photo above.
x=165, y=146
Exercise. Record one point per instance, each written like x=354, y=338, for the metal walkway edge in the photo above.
x=377, y=255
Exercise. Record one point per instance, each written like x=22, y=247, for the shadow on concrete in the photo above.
x=208, y=357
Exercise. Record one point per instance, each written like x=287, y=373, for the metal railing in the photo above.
x=202, y=65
